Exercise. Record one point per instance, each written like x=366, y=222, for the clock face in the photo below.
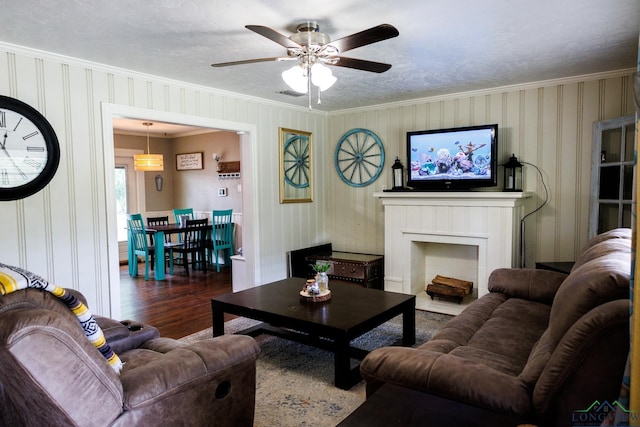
x=29, y=150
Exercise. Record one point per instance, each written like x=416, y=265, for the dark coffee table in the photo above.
x=331, y=325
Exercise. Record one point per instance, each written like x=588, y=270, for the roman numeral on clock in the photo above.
x=17, y=124
x=3, y=119
x=31, y=135
x=34, y=163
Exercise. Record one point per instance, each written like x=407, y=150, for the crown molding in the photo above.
x=489, y=91
x=82, y=63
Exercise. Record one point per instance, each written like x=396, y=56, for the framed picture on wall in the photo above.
x=296, y=177
x=189, y=161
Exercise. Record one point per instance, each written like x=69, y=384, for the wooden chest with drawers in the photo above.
x=364, y=269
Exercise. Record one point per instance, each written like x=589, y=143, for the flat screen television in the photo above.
x=454, y=159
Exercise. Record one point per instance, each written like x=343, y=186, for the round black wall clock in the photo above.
x=29, y=150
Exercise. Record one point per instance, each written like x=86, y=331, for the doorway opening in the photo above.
x=247, y=138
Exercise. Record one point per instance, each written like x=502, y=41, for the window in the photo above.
x=121, y=201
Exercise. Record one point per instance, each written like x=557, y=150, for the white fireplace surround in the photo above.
x=464, y=235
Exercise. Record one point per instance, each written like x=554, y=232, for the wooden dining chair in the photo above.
x=221, y=236
x=138, y=242
x=177, y=213
x=168, y=244
x=193, y=244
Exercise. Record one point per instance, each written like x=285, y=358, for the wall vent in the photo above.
x=290, y=93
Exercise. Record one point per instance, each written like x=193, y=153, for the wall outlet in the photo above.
x=222, y=192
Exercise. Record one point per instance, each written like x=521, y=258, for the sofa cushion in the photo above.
x=537, y=360
x=526, y=283
x=604, y=243
x=459, y=330
x=597, y=344
x=603, y=278
x=503, y=345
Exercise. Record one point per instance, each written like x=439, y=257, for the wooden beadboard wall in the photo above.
x=547, y=124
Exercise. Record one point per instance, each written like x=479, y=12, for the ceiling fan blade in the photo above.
x=361, y=64
x=363, y=38
x=267, y=32
x=247, y=61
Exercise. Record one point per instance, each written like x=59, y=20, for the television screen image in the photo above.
x=459, y=158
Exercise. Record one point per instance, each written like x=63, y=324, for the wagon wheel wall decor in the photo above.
x=359, y=157
x=295, y=166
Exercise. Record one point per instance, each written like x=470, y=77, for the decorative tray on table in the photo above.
x=306, y=296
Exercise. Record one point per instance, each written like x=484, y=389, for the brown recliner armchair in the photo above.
x=50, y=374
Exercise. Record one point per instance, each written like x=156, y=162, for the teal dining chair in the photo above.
x=138, y=244
x=177, y=213
x=221, y=236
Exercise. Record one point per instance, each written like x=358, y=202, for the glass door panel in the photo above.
x=612, y=174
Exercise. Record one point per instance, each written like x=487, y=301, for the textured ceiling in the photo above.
x=445, y=46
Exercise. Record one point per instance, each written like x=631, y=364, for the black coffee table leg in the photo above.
x=217, y=314
x=409, y=325
x=343, y=376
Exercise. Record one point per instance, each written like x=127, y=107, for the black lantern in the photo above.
x=398, y=175
x=513, y=174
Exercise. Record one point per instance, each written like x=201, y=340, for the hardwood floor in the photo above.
x=177, y=306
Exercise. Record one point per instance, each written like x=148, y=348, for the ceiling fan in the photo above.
x=313, y=49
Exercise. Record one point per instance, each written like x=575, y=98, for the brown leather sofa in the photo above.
x=539, y=346
x=50, y=374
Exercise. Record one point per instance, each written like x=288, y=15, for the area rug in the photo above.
x=295, y=381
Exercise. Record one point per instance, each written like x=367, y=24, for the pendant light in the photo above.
x=148, y=162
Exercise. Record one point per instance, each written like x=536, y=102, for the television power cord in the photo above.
x=522, y=221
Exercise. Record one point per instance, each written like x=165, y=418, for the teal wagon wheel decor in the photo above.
x=359, y=157
x=296, y=166
x=296, y=158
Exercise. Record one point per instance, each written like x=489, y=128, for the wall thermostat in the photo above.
x=222, y=192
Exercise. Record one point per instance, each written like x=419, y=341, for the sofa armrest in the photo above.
x=125, y=335
x=529, y=284
x=168, y=382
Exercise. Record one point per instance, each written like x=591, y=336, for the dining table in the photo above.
x=159, y=232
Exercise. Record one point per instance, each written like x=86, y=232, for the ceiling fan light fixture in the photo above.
x=313, y=50
x=296, y=78
x=322, y=76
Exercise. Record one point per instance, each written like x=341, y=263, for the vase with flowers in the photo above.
x=322, y=279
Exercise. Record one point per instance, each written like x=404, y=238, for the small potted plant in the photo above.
x=322, y=279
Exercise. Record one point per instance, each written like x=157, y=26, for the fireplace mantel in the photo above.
x=460, y=234
x=466, y=198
